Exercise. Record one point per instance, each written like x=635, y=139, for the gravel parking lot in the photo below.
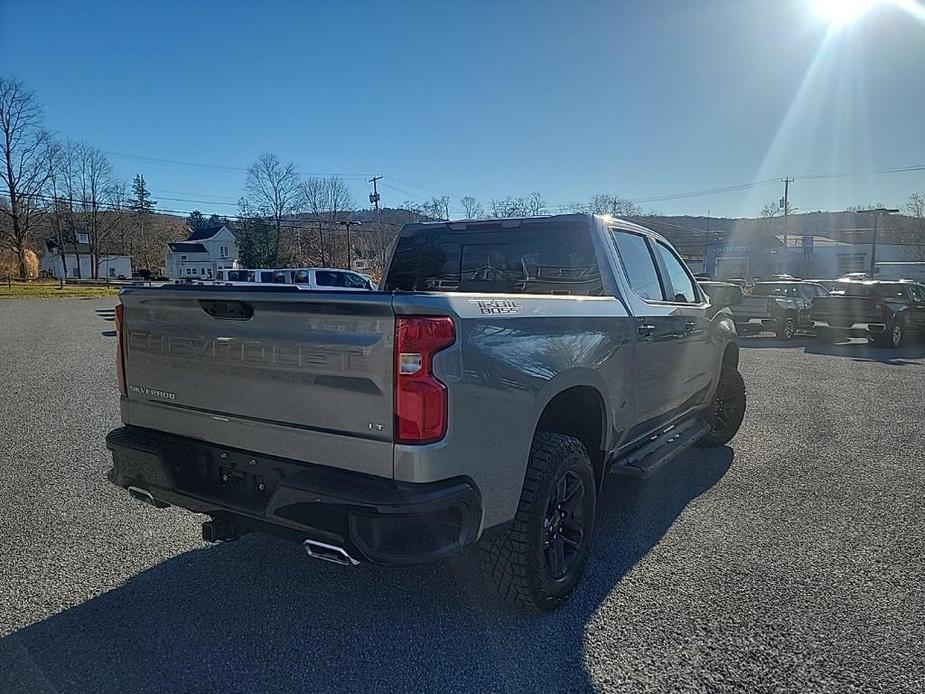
x=793, y=560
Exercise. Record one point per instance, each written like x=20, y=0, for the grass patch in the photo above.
x=51, y=290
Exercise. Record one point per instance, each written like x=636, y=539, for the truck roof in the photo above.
x=515, y=222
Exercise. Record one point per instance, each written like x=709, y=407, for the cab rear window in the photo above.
x=528, y=260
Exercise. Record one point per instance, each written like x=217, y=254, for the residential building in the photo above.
x=78, y=261
x=202, y=254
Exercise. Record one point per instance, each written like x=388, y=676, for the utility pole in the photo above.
x=374, y=196
x=786, y=205
x=349, y=223
x=374, y=199
x=873, y=246
x=706, y=242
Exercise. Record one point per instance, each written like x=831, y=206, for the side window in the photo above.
x=682, y=286
x=638, y=265
x=354, y=281
x=300, y=277
x=327, y=278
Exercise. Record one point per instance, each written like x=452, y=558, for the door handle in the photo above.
x=646, y=331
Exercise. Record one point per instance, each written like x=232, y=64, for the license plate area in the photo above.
x=235, y=478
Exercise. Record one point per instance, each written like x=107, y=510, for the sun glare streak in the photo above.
x=913, y=7
x=842, y=12
x=828, y=65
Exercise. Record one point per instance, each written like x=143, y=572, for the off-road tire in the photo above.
x=514, y=560
x=728, y=408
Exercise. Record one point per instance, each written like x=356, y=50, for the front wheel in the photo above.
x=787, y=329
x=534, y=564
x=728, y=408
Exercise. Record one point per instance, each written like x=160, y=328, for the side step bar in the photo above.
x=660, y=449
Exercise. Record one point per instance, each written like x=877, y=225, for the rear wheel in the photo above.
x=787, y=329
x=728, y=408
x=536, y=562
x=892, y=337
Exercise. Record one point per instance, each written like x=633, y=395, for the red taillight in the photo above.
x=120, y=355
x=420, y=399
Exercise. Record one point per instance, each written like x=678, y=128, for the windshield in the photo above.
x=883, y=291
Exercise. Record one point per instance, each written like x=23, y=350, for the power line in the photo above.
x=222, y=167
x=103, y=206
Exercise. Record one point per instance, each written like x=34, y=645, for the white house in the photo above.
x=78, y=261
x=204, y=252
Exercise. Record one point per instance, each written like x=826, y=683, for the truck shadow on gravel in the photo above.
x=862, y=351
x=856, y=349
x=257, y=615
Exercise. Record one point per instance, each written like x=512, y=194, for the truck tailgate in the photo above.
x=305, y=375
x=844, y=311
x=751, y=307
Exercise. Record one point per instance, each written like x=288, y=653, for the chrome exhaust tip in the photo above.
x=331, y=553
x=145, y=496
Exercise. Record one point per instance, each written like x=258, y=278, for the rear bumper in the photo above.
x=747, y=325
x=372, y=518
x=859, y=329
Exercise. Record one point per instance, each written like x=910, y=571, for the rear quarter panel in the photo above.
x=501, y=373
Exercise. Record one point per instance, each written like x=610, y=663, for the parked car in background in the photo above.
x=722, y=294
x=883, y=312
x=828, y=285
x=779, y=307
x=483, y=395
x=304, y=278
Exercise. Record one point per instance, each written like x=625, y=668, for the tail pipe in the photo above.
x=331, y=553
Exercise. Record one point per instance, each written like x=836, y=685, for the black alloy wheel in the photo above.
x=564, y=525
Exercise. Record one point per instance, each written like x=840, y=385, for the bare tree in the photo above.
x=100, y=199
x=605, y=203
x=531, y=205
x=315, y=203
x=415, y=209
x=59, y=205
x=535, y=205
x=915, y=206
x=769, y=210
x=437, y=207
x=26, y=149
x=507, y=207
x=338, y=198
x=275, y=191
x=471, y=207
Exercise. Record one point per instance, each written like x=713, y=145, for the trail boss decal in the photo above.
x=497, y=307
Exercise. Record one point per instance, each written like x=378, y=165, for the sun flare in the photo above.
x=842, y=12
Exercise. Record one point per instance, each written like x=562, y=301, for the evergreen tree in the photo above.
x=196, y=220
x=141, y=202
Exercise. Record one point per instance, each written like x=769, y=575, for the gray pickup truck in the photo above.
x=481, y=395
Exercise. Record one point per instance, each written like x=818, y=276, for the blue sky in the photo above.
x=642, y=99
